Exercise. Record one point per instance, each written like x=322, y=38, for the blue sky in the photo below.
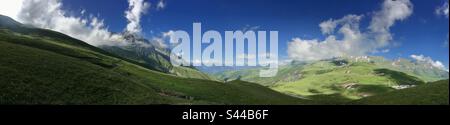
x=423, y=33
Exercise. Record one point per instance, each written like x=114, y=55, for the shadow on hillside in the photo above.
x=399, y=77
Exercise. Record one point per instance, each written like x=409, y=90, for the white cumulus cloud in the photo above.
x=353, y=41
x=328, y=27
x=10, y=8
x=429, y=61
x=48, y=14
x=161, y=5
x=136, y=8
x=443, y=10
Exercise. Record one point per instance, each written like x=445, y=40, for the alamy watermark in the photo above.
x=237, y=48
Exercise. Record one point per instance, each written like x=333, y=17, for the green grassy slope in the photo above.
x=355, y=81
x=350, y=78
x=435, y=93
x=43, y=67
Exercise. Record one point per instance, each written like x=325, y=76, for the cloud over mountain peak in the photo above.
x=354, y=41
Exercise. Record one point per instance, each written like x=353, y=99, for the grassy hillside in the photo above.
x=44, y=67
x=285, y=74
x=435, y=93
x=355, y=81
x=347, y=77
